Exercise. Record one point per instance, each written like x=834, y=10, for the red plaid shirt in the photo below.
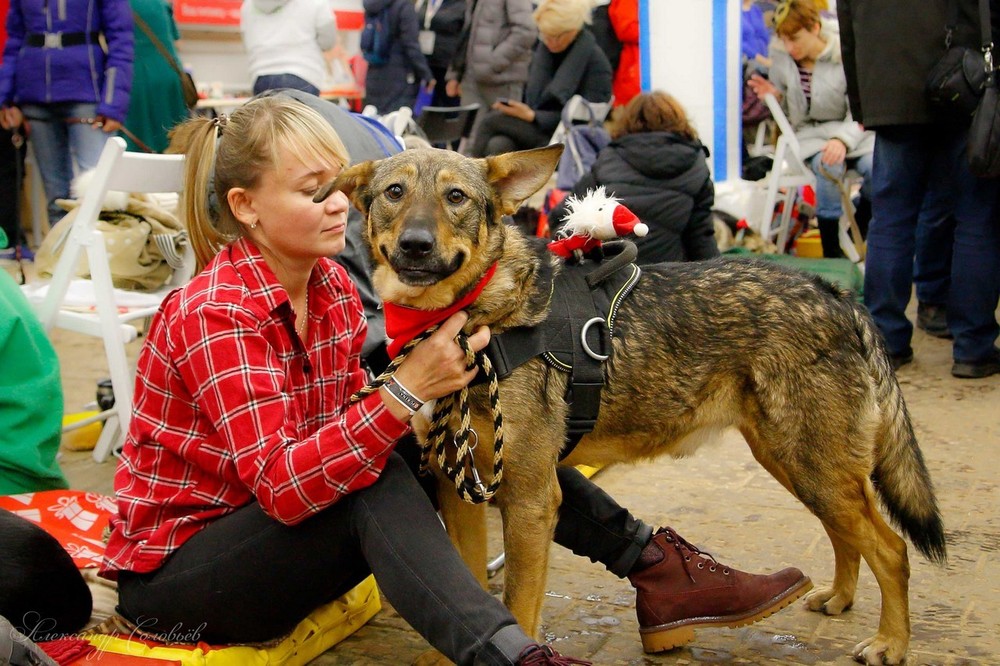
x=230, y=407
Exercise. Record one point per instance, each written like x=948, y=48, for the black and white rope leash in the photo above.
x=463, y=472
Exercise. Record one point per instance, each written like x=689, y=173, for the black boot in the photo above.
x=829, y=236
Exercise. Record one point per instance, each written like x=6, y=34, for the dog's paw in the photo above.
x=879, y=650
x=432, y=658
x=826, y=600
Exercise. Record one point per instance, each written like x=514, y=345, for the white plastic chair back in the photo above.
x=788, y=173
x=123, y=171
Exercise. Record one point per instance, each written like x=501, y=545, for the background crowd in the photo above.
x=115, y=70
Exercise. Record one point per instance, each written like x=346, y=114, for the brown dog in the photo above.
x=792, y=362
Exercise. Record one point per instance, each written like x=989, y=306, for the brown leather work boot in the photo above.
x=686, y=589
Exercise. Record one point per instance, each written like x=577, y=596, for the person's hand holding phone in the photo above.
x=509, y=107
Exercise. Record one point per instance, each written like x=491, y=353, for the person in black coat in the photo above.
x=921, y=164
x=395, y=84
x=657, y=167
x=440, y=23
x=567, y=61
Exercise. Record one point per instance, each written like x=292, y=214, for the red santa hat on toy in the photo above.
x=597, y=216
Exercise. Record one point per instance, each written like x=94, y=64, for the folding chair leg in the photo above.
x=847, y=245
x=111, y=439
x=788, y=202
x=114, y=343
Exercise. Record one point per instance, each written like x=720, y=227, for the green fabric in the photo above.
x=31, y=399
x=156, y=103
x=841, y=272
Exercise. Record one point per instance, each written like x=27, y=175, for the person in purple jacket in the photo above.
x=72, y=93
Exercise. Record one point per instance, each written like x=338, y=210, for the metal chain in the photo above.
x=472, y=490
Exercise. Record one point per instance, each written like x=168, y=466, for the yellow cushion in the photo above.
x=324, y=628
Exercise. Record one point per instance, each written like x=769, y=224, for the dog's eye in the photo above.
x=394, y=192
x=456, y=196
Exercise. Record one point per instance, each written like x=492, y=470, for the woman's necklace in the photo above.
x=302, y=318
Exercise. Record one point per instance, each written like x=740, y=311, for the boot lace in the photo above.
x=686, y=549
x=543, y=655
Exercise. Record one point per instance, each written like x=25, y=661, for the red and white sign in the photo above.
x=207, y=12
x=191, y=13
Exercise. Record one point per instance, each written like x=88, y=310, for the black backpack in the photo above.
x=375, y=38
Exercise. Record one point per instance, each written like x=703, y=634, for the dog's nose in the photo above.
x=416, y=242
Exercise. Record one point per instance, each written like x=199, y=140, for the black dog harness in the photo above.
x=576, y=336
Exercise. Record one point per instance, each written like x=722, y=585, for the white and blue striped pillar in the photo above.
x=691, y=49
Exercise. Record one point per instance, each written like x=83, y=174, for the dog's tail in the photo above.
x=900, y=475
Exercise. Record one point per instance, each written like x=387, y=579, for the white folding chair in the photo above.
x=122, y=171
x=398, y=121
x=788, y=173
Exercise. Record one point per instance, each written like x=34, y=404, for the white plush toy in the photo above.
x=594, y=218
x=113, y=200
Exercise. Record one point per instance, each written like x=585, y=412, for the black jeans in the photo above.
x=11, y=175
x=248, y=578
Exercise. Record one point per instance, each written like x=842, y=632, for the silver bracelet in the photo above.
x=403, y=396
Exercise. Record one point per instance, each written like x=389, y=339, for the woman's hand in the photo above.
x=761, y=87
x=516, y=110
x=453, y=88
x=109, y=125
x=436, y=367
x=834, y=152
x=11, y=117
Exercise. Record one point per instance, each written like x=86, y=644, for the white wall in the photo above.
x=691, y=49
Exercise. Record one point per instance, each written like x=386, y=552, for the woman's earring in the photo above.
x=253, y=225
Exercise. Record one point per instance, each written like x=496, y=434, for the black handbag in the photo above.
x=957, y=82
x=984, y=134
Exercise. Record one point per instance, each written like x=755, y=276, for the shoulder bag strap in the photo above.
x=159, y=45
x=987, y=38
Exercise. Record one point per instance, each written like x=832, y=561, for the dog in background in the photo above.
x=790, y=361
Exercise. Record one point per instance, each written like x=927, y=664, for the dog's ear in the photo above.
x=516, y=176
x=353, y=182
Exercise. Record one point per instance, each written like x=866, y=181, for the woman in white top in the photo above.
x=807, y=77
x=285, y=41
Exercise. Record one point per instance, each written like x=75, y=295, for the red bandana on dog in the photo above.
x=403, y=323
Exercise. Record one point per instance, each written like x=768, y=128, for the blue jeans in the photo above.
x=935, y=245
x=62, y=148
x=925, y=167
x=828, y=203
x=278, y=81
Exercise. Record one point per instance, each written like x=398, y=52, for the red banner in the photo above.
x=227, y=13
x=207, y=12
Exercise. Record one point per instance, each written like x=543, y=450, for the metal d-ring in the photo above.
x=583, y=340
x=472, y=432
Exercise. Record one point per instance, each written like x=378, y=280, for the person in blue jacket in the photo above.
x=56, y=76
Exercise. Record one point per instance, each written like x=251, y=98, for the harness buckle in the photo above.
x=53, y=40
